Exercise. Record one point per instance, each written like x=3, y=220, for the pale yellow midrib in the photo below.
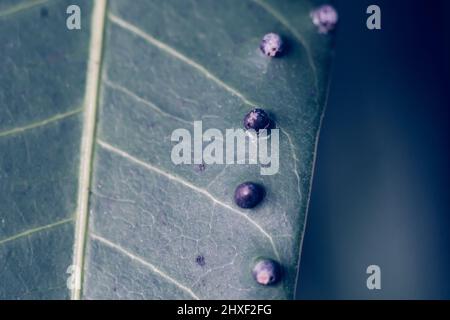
x=87, y=143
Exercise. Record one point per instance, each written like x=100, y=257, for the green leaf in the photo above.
x=86, y=177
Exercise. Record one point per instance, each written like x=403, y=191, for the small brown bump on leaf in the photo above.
x=200, y=167
x=200, y=260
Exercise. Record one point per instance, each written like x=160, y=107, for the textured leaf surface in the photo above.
x=164, y=65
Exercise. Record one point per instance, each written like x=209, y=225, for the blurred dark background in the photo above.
x=381, y=186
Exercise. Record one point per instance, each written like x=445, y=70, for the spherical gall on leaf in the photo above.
x=325, y=18
x=248, y=195
x=266, y=272
x=257, y=119
x=271, y=45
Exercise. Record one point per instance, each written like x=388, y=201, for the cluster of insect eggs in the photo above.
x=248, y=195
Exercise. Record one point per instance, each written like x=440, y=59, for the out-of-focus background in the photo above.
x=381, y=187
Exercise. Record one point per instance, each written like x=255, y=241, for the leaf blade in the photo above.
x=40, y=120
x=151, y=222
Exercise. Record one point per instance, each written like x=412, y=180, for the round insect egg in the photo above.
x=257, y=119
x=266, y=272
x=325, y=18
x=271, y=44
x=248, y=195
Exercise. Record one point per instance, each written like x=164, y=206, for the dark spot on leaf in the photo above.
x=200, y=260
x=44, y=12
x=200, y=167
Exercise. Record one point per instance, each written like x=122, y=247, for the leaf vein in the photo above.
x=131, y=94
x=146, y=165
x=143, y=262
x=34, y=230
x=295, y=158
x=87, y=139
x=22, y=7
x=41, y=123
x=175, y=53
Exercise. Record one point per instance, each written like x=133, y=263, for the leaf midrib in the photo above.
x=88, y=139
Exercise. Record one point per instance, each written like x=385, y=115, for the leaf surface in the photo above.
x=86, y=172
